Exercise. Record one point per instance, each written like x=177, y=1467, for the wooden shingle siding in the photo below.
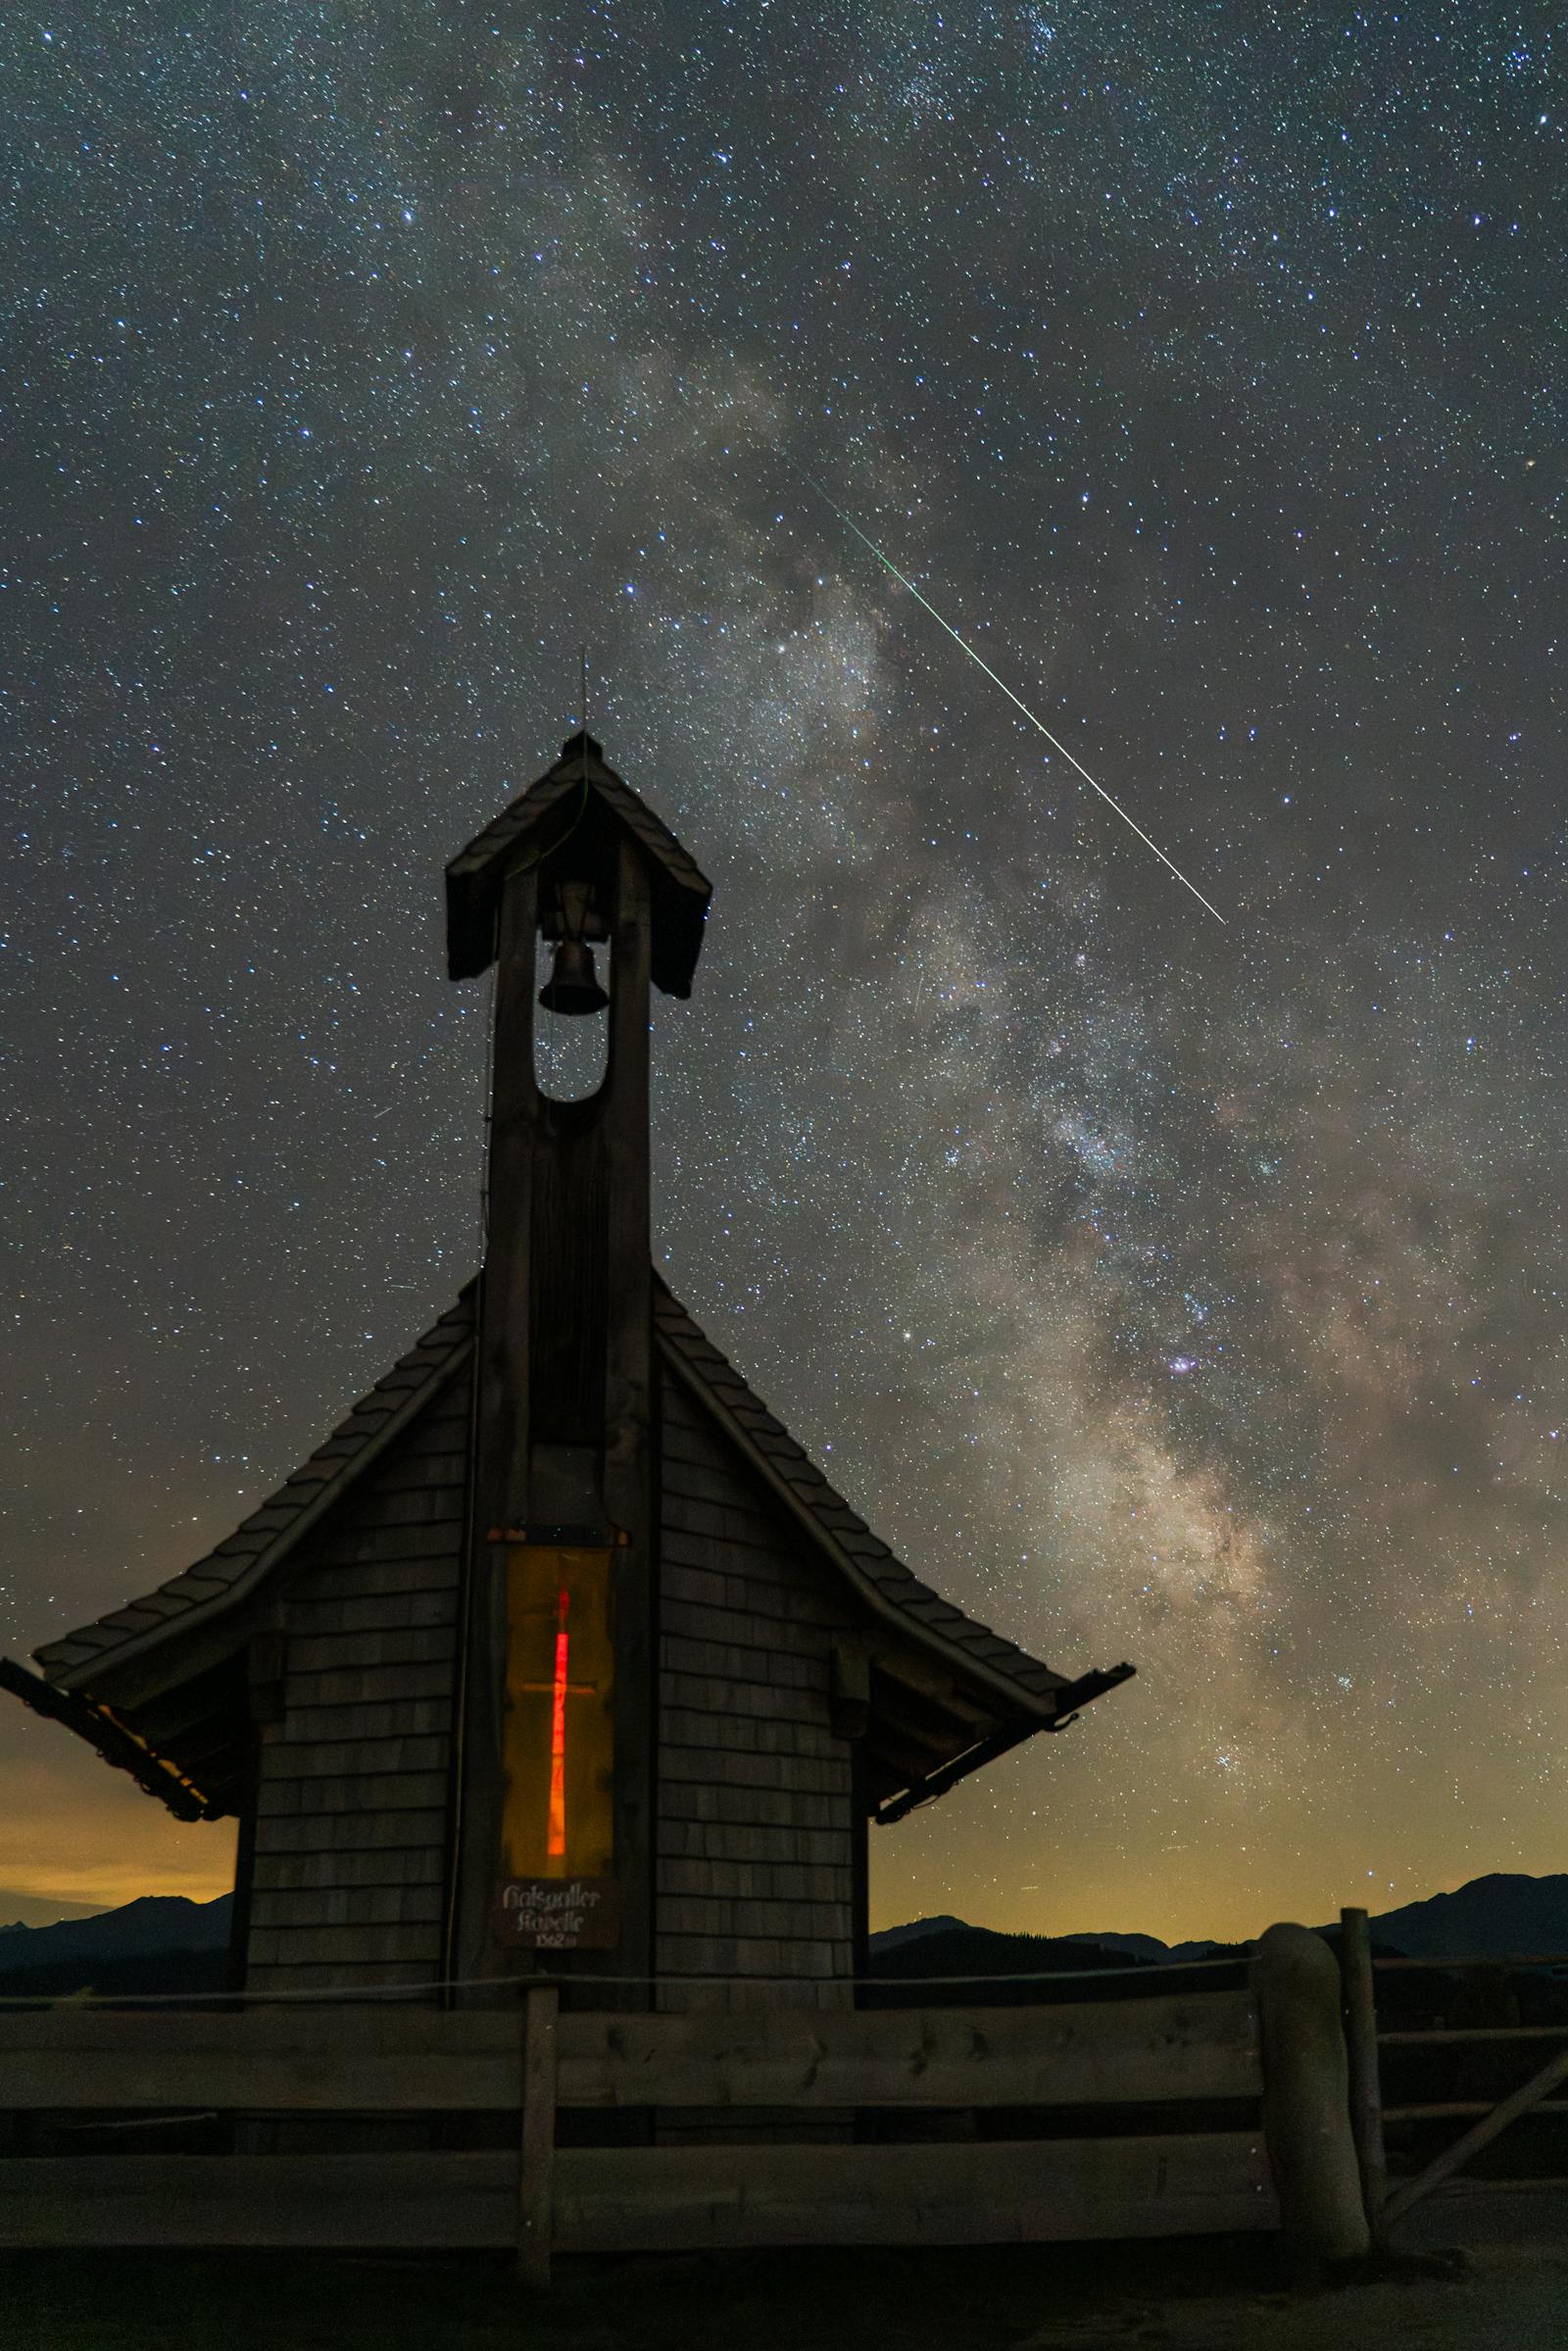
x=340, y=1647
x=380, y=1975
x=344, y=1906
x=750, y=1916
x=796, y=1662
x=408, y=1830
x=723, y=1840
x=345, y=1682
x=318, y=1799
x=695, y=1602
x=418, y=1609
x=381, y=1719
x=418, y=1472
x=739, y=1955
x=697, y=1799
x=372, y=1865
x=754, y=1833
x=743, y=1774
x=712, y=1712
x=418, y=1507
x=368, y=1758
x=758, y=1883
x=347, y=1948
x=389, y=1559
x=350, y=1859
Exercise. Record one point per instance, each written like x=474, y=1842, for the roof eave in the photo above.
x=1071, y=1699
x=114, y=1741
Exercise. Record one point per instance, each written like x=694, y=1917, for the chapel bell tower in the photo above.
x=553, y=1852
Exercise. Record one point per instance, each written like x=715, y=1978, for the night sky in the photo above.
x=1161, y=1290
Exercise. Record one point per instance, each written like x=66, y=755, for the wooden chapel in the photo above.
x=559, y=1650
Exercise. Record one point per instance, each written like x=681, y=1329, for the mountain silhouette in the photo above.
x=1498, y=1916
x=168, y=1943
x=157, y=1942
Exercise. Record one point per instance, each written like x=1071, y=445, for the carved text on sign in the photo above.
x=560, y=1914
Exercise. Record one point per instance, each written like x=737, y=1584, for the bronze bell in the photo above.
x=573, y=984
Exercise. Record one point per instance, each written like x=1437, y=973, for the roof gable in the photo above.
x=579, y=786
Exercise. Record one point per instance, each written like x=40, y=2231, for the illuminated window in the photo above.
x=558, y=1818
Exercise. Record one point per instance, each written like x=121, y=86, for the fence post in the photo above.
x=536, y=2168
x=1306, y=2119
x=1361, y=2054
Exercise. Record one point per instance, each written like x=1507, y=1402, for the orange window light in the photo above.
x=559, y=1819
x=555, y=1838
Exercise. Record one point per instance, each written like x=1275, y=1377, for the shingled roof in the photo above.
x=237, y=1564
x=1035, y=1695
x=794, y=1476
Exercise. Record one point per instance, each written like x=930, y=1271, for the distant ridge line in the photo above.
x=1502, y=1915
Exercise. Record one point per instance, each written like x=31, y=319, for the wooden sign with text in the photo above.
x=560, y=1914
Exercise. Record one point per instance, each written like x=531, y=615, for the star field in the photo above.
x=1161, y=1292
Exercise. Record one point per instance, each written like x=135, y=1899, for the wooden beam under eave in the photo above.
x=102, y=1729
x=931, y=1684
x=907, y=1759
x=905, y=1734
x=217, y=1694
x=883, y=1778
x=206, y=1749
x=225, y=1798
x=919, y=1723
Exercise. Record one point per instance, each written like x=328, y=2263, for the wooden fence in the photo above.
x=1084, y=2073
x=536, y=2196
x=1369, y=2032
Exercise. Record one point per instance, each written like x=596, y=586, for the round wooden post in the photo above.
x=1306, y=2113
x=1361, y=2054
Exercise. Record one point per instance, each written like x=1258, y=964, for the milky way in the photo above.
x=1187, y=1294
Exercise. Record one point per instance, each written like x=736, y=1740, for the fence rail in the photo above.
x=636, y=2199
x=1436, y=2035
x=386, y=2061
x=301, y=2063
x=1394, y=1962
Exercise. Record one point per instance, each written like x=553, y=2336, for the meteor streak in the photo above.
x=888, y=565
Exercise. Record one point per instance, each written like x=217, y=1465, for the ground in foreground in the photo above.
x=1511, y=2294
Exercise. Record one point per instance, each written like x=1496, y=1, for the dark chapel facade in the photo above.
x=559, y=1651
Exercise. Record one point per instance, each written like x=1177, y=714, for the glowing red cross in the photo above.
x=560, y=1688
